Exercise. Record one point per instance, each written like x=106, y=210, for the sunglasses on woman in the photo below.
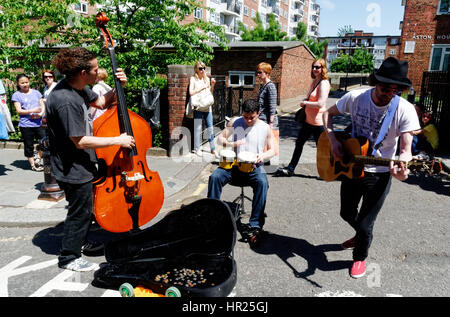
x=201, y=68
x=316, y=67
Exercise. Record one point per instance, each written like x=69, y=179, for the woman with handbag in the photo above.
x=314, y=105
x=201, y=100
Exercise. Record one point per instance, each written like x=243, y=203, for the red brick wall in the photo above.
x=178, y=95
x=422, y=25
x=296, y=72
x=290, y=68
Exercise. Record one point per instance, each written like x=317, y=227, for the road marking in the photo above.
x=199, y=189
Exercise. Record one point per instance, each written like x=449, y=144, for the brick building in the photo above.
x=290, y=61
x=425, y=38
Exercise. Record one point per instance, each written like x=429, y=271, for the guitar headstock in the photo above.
x=430, y=167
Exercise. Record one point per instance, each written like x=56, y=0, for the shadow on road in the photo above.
x=288, y=247
x=440, y=184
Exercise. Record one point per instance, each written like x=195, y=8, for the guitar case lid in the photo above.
x=206, y=226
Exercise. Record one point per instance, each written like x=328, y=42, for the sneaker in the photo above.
x=349, y=244
x=198, y=152
x=37, y=168
x=92, y=248
x=358, y=269
x=80, y=265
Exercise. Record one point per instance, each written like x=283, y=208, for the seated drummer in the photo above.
x=249, y=134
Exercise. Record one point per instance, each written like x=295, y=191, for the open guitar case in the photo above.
x=191, y=248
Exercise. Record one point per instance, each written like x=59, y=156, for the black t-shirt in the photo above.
x=67, y=112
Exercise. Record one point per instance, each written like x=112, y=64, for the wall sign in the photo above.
x=409, y=46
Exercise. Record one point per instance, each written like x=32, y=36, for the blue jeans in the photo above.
x=257, y=180
x=198, y=120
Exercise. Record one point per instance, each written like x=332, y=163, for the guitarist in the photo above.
x=368, y=109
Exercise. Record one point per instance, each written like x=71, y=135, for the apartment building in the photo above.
x=379, y=46
x=227, y=13
x=425, y=38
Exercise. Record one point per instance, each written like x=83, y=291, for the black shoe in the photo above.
x=93, y=248
x=285, y=171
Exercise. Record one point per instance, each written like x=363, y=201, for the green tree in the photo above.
x=259, y=33
x=136, y=27
x=316, y=47
x=360, y=62
x=344, y=30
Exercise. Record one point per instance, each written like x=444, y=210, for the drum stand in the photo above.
x=240, y=202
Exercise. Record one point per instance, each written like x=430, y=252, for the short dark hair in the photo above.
x=250, y=105
x=71, y=61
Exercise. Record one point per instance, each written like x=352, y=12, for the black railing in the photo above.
x=435, y=97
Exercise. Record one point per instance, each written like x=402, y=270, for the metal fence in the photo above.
x=435, y=97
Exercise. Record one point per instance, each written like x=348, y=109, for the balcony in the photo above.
x=233, y=8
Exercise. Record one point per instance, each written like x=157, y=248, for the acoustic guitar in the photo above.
x=355, y=157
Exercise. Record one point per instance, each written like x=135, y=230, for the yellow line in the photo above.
x=199, y=189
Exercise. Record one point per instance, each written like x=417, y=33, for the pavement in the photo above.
x=20, y=187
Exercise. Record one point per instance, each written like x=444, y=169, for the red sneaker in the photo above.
x=349, y=244
x=358, y=269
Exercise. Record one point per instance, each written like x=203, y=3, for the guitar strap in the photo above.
x=386, y=123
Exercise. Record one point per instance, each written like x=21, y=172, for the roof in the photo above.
x=284, y=45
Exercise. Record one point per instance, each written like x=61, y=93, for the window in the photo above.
x=246, y=10
x=241, y=78
x=198, y=13
x=81, y=7
x=253, y=13
x=440, y=57
x=444, y=7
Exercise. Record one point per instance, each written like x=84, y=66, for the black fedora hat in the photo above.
x=393, y=71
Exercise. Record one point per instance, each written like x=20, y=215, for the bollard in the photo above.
x=50, y=189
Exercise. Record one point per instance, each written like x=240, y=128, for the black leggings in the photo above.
x=28, y=135
x=373, y=189
x=303, y=135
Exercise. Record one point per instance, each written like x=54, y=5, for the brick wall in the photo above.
x=422, y=25
x=178, y=95
x=290, y=68
x=295, y=72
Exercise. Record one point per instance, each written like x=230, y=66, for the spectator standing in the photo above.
x=267, y=99
x=315, y=105
x=30, y=106
x=100, y=88
x=197, y=84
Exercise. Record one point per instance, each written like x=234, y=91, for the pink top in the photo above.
x=314, y=114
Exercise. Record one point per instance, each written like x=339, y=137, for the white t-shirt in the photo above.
x=367, y=119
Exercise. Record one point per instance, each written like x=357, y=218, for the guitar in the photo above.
x=355, y=157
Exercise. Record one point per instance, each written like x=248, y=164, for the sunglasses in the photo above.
x=387, y=89
x=201, y=68
x=316, y=67
x=259, y=72
x=48, y=76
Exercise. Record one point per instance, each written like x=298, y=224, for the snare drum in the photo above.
x=246, y=161
x=227, y=159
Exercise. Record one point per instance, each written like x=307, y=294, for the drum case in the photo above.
x=198, y=236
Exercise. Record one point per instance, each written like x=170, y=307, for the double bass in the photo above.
x=127, y=194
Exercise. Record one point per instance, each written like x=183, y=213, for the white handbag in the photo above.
x=202, y=101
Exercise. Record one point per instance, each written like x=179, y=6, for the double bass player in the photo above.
x=72, y=146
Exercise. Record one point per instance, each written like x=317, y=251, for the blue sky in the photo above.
x=382, y=17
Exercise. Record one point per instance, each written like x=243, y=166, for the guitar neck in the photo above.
x=371, y=160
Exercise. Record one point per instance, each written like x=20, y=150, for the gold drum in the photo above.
x=227, y=159
x=246, y=161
